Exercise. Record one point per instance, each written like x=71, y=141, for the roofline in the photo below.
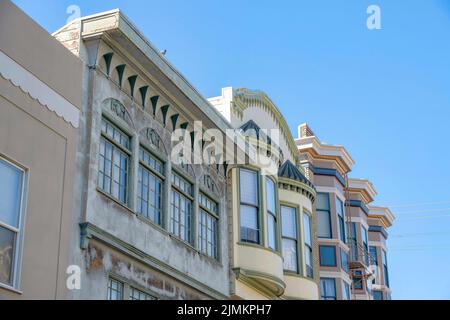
x=363, y=184
x=383, y=211
x=125, y=26
x=312, y=142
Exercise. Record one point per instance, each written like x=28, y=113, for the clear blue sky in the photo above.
x=383, y=94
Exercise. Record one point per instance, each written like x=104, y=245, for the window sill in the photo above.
x=9, y=288
x=110, y=197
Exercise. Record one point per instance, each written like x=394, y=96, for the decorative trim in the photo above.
x=89, y=231
x=38, y=90
x=358, y=204
x=379, y=229
x=328, y=172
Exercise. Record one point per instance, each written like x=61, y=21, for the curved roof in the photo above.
x=290, y=171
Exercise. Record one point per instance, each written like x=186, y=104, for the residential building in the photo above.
x=351, y=234
x=145, y=226
x=273, y=242
x=39, y=123
x=104, y=180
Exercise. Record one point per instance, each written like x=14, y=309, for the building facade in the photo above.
x=351, y=234
x=273, y=242
x=124, y=177
x=39, y=123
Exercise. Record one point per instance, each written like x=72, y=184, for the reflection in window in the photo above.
x=208, y=226
x=323, y=216
x=327, y=255
x=327, y=289
x=271, y=214
x=11, y=184
x=150, y=187
x=115, y=289
x=308, y=245
x=181, y=208
x=249, y=206
x=289, y=238
x=114, y=159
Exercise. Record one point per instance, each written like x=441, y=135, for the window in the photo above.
x=377, y=295
x=345, y=291
x=341, y=218
x=11, y=193
x=354, y=242
x=365, y=245
x=323, y=216
x=327, y=255
x=385, y=268
x=249, y=207
x=150, y=187
x=344, y=260
x=208, y=226
x=289, y=235
x=136, y=294
x=328, y=289
x=373, y=255
x=115, y=151
x=181, y=208
x=271, y=213
x=357, y=280
x=308, y=245
x=115, y=289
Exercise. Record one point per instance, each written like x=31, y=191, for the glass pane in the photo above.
x=7, y=238
x=328, y=289
x=272, y=227
x=290, y=254
x=323, y=201
x=249, y=187
x=323, y=224
x=327, y=256
x=288, y=222
x=249, y=224
x=271, y=199
x=307, y=229
x=115, y=290
x=10, y=194
x=339, y=207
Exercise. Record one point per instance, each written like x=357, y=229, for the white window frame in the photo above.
x=18, y=245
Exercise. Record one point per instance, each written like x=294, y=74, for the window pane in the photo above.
x=272, y=231
x=307, y=229
x=344, y=260
x=288, y=222
x=323, y=224
x=7, y=239
x=345, y=291
x=323, y=201
x=327, y=256
x=10, y=194
x=373, y=255
x=249, y=224
x=115, y=290
x=248, y=187
x=377, y=295
x=328, y=289
x=271, y=198
x=136, y=294
x=290, y=254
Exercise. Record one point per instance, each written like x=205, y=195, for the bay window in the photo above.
x=249, y=206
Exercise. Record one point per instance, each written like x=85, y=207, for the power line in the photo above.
x=413, y=234
x=422, y=211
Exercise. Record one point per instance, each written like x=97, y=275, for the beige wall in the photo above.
x=41, y=142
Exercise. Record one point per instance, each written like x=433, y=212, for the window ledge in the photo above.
x=110, y=197
x=9, y=288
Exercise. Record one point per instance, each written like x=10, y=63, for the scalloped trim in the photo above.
x=38, y=90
